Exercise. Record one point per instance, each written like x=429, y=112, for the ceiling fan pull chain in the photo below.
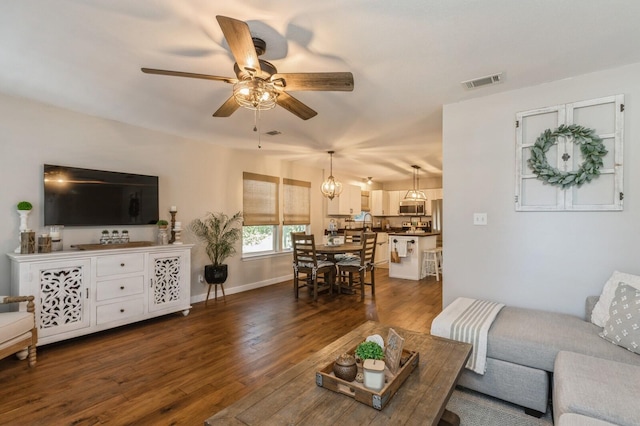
x=256, y=126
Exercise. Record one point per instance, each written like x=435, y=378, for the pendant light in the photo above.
x=331, y=187
x=415, y=194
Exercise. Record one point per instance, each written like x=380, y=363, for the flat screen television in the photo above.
x=85, y=197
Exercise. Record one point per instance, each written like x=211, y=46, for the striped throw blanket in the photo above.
x=468, y=320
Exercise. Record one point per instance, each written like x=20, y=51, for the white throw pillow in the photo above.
x=600, y=313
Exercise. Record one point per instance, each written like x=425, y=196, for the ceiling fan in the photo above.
x=258, y=85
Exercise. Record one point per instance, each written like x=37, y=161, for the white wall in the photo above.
x=194, y=176
x=545, y=260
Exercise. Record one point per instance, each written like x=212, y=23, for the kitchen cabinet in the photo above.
x=85, y=291
x=379, y=202
x=394, y=202
x=347, y=204
x=381, y=258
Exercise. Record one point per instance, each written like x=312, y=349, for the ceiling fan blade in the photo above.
x=240, y=42
x=228, y=107
x=329, y=81
x=294, y=106
x=189, y=75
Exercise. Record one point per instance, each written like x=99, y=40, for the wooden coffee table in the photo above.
x=293, y=398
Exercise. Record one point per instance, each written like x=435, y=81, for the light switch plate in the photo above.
x=480, y=219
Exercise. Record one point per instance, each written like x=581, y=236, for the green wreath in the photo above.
x=591, y=147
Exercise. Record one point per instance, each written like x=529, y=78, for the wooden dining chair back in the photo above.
x=353, y=271
x=313, y=271
x=353, y=236
x=369, y=257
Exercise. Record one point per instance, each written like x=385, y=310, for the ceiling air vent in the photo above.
x=483, y=81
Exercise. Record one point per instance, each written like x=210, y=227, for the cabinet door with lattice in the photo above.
x=62, y=296
x=167, y=281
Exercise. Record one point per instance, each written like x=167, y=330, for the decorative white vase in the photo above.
x=24, y=215
x=24, y=226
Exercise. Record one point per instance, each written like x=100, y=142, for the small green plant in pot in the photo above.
x=24, y=205
x=369, y=350
x=162, y=223
x=220, y=234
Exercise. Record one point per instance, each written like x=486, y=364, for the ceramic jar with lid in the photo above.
x=345, y=367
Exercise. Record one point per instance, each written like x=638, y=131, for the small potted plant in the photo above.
x=369, y=350
x=220, y=234
x=371, y=354
x=24, y=208
x=24, y=205
x=163, y=238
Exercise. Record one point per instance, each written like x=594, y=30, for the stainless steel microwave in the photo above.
x=412, y=208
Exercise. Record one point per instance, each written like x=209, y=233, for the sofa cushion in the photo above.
x=594, y=387
x=623, y=326
x=571, y=419
x=533, y=338
x=600, y=314
x=13, y=324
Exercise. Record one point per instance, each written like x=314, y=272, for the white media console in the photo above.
x=84, y=291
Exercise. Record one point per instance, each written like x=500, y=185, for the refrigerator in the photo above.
x=436, y=219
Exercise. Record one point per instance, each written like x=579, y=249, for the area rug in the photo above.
x=476, y=409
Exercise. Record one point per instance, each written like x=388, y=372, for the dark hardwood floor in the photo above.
x=181, y=370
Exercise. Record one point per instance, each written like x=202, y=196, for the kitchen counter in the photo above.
x=414, y=234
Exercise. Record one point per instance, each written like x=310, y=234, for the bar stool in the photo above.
x=432, y=263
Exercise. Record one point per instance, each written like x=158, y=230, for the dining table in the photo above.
x=330, y=251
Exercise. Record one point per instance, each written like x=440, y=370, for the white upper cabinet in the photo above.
x=394, y=202
x=348, y=203
x=379, y=202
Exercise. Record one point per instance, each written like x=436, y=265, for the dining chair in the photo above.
x=355, y=269
x=351, y=236
x=18, y=332
x=307, y=266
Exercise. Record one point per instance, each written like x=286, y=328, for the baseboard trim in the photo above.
x=242, y=288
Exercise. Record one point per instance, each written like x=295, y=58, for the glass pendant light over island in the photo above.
x=415, y=193
x=331, y=187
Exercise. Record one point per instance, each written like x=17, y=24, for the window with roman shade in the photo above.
x=297, y=210
x=260, y=199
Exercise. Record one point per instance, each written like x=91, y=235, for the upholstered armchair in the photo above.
x=18, y=333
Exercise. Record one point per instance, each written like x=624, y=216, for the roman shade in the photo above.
x=260, y=199
x=297, y=210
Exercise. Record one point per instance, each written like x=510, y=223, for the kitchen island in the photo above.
x=409, y=246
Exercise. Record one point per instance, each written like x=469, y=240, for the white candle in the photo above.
x=173, y=209
x=55, y=235
x=373, y=374
x=178, y=226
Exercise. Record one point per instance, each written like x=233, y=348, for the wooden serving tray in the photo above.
x=113, y=246
x=378, y=400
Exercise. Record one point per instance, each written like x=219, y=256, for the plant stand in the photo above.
x=216, y=276
x=215, y=291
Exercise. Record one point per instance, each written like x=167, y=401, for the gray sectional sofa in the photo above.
x=527, y=349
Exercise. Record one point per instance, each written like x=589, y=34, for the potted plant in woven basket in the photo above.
x=220, y=234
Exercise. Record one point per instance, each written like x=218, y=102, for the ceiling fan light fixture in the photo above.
x=255, y=94
x=415, y=194
x=331, y=187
